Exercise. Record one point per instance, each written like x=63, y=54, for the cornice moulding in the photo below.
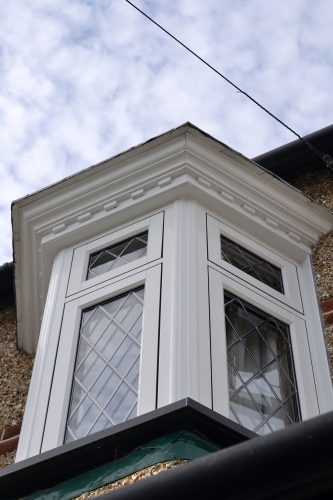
x=181, y=163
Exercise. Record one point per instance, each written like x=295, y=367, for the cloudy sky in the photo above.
x=83, y=80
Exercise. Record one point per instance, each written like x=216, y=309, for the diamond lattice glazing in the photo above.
x=106, y=375
x=117, y=255
x=262, y=385
x=251, y=264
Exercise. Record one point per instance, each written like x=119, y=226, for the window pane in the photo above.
x=106, y=374
x=117, y=255
x=251, y=264
x=262, y=384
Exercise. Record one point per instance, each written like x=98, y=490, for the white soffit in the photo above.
x=184, y=162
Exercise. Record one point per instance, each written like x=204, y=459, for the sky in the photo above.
x=81, y=81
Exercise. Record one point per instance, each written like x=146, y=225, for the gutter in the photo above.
x=294, y=158
x=93, y=461
x=294, y=463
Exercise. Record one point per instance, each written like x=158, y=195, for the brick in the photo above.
x=329, y=318
x=327, y=306
x=8, y=445
x=11, y=431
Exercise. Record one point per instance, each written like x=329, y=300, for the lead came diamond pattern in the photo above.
x=117, y=255
x=262, y=384
x=106, y=375
x=251, y=264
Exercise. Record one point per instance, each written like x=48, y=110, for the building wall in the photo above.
x=15, y=373
x=319, y=186
x=16, y=366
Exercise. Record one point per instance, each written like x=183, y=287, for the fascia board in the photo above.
x=183, y=163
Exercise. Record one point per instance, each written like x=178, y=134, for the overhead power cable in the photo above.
x=326, y=158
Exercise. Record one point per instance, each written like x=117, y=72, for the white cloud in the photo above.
x=83, y=80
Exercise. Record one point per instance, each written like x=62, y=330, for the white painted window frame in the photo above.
x=49, y=394
x=220, y=282
x=287, y=307
x=57, y=413
x=291, y=295
x=154, y=226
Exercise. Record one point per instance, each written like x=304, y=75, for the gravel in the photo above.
x=16, y=367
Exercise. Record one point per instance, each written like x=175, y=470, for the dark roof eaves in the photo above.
x=294, y=158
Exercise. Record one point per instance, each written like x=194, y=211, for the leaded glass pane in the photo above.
x=106, y=374
x=262, y=384
x=117, y=255
x=251, y=264
x=249, y=419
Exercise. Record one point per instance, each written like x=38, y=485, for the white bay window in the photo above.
x=189, y=276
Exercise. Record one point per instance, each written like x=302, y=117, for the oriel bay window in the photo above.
x=177, y=269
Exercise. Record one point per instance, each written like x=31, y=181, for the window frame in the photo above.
x=77, y=279
x=291, y=295
x=56, y=418
x=218, y=283
x=186, y=343
x=286, y=307
x=40, y=431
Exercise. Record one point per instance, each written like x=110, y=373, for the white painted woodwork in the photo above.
x=184, y=363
